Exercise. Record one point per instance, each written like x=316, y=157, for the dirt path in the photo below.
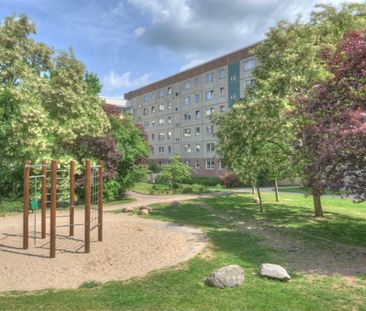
x=309, y=255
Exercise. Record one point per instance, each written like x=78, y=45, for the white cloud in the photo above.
x=114, y=82
x=200, y=30
x=139, y=31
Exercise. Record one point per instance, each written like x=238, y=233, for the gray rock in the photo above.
x=256, y=200
x=274, y=271
x=228, y=276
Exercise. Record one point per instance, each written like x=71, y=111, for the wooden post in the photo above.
x=26, y=205
x=44, y=200
x=53, y=208
x=87, y=205
x=72, y=196
x=100, y=202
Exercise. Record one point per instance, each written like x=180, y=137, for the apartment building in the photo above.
x=175, y=112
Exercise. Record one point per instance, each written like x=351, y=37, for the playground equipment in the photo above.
x=58, y=190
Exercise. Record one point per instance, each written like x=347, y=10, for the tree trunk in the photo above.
x=317, y=205
x=260, y=199
x=276, y=191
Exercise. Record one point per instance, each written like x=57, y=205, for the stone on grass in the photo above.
x=144, y=212
x=228, y=276
x=274, y=271
x=145, y=208
x=256, y=200
x=128, y=209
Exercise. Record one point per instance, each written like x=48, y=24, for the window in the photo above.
x=152, y=122
x=152, y=108
x=197, y=82
x=146, y=123
x=161, y=93
x=169, y=135
x=169, y=149
x=161, y=136
x=221, y=165
x=210, y=129
x=161, y=107
x=186, y=100
x=187, y=132
x=222, y=108
x=233, y=77
x=169, y=90
x=187, y=162
x=161, y=121
x=197, y=98
x=146, y=98
x=222, y=73
x=209, y=95
x=198, y=148
x=210, y=147
x=187, y=116
x=209, y=77
x=187, y=84
x=209, y=111
x=197, y=164
x=197, y=113
x=169, y=120
x=152, y=96
x=250, y=64
x=187, y=148
x=146, y=111
x=222, y=91
x=197, y=131
x=210, y=165
x=161, y=149
x=152, y=136
x=169, y=105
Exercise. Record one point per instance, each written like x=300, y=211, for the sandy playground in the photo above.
x=132, y=246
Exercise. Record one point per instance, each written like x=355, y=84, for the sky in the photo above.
x=131, y=43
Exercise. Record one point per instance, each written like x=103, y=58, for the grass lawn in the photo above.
x=182, y=287
x=302, y=190
x=156, y=189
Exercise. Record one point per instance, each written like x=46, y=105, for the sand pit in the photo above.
x=132, y=246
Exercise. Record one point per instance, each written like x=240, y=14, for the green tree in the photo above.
x=175, y=172
x=289, y=63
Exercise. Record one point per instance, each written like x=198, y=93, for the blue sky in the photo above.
x=130, y=43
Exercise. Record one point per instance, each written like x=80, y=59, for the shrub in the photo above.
x=175, y=173
x=231, y=180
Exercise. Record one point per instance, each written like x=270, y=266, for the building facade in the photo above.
x=175, y=112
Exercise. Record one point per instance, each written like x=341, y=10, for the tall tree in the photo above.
x=330, y=127
x=289, y=63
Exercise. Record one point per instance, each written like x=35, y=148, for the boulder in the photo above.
x=228, y=276
x=145, y=208
x=256, y=200
x=274, y=271
x=144, y=212
x=128, y=209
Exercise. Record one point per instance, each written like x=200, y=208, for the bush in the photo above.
x=231, y=180
x=111, y=190
x=205, y=181
x=175, y=173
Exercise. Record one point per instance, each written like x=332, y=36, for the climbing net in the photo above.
x=54, y=188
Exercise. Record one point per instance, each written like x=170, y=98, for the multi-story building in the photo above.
x=175, y=111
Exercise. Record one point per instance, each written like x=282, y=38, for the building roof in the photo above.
x=195, y=71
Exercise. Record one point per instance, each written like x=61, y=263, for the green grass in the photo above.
x=122, y=201
x=157, y=189
x=8, y=206
x=182, y=287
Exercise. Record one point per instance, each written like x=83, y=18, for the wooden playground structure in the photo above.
x=55, y=188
